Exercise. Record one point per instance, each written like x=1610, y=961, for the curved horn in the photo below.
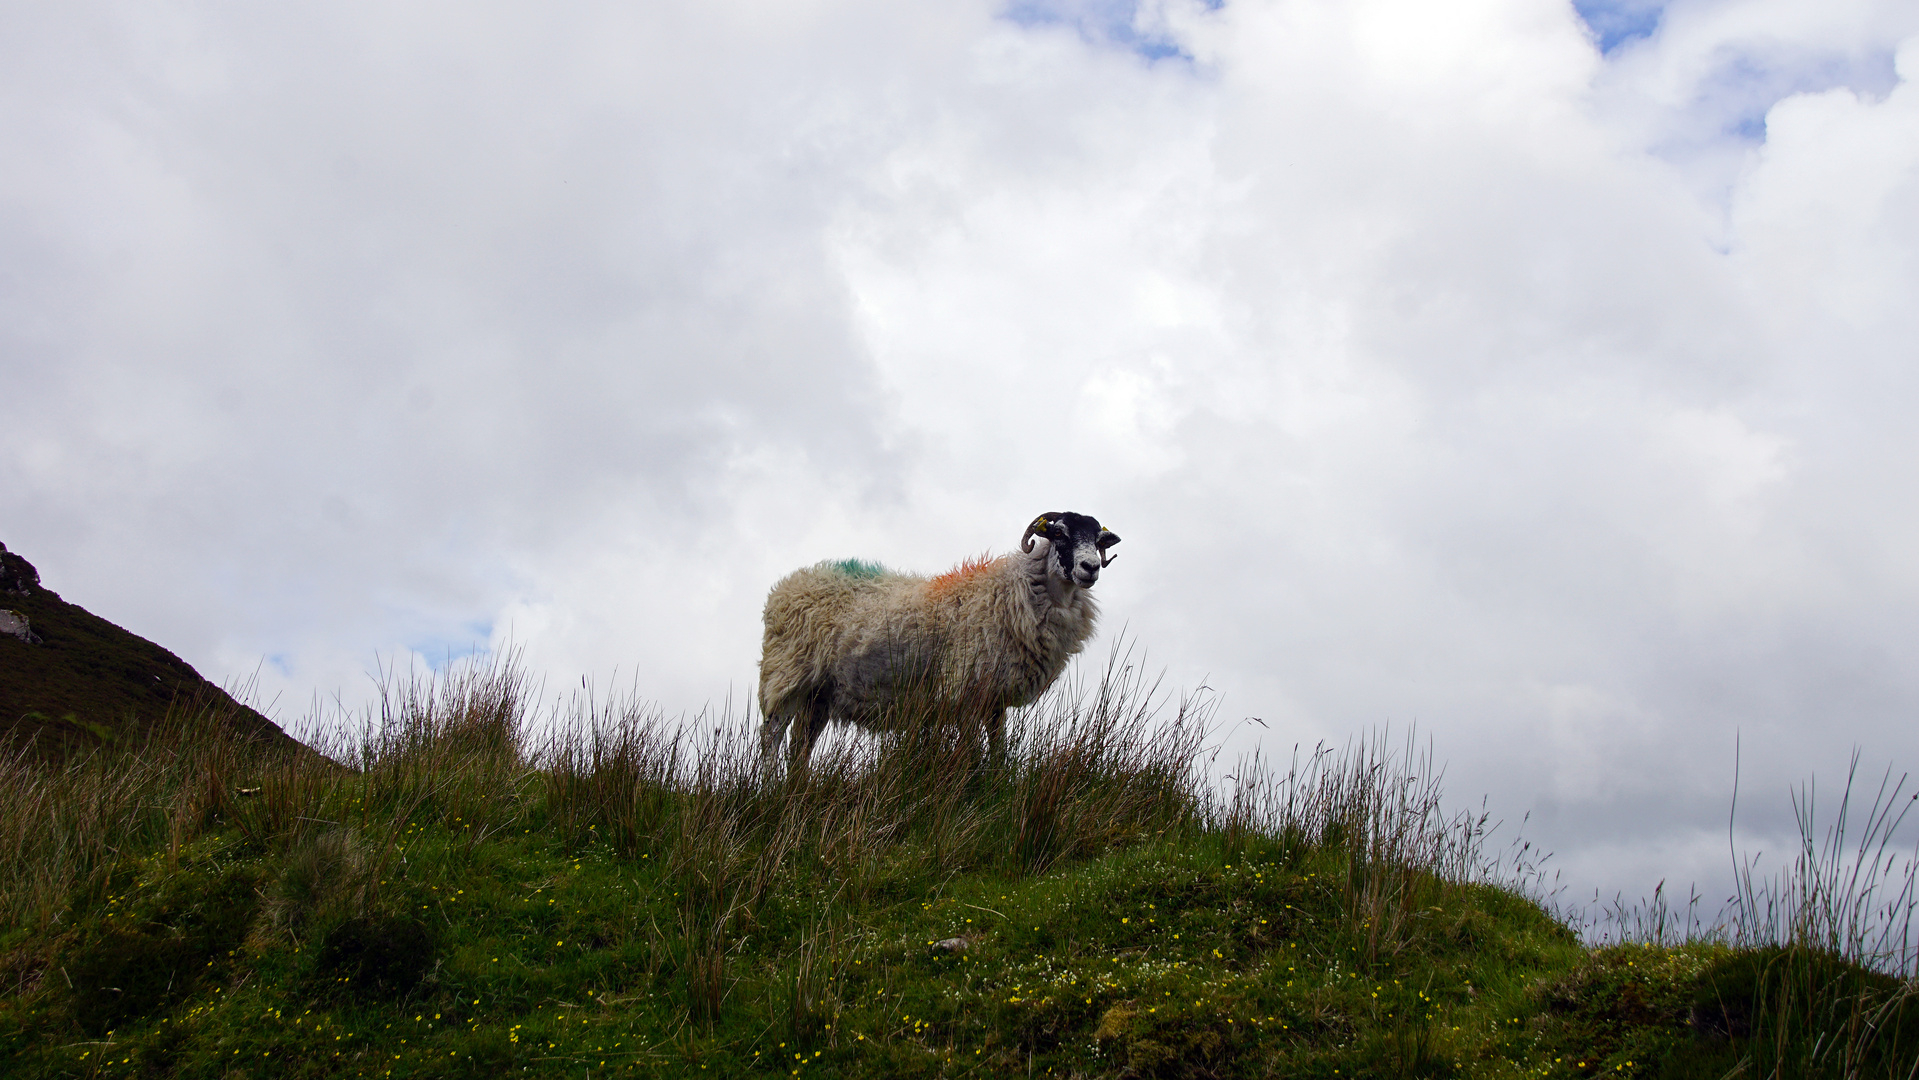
x=1107, y=538
x=1040, y=525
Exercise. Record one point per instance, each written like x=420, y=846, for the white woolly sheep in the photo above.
x=855, y=642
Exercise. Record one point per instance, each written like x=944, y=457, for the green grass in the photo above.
x=457, y=895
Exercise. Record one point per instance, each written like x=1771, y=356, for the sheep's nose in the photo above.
x=1091, y=569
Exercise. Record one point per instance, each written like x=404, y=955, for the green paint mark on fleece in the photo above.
x=859, y=568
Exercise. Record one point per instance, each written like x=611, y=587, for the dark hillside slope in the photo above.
x=70, y=679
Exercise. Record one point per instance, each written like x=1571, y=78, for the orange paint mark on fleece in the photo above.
x=959, y=575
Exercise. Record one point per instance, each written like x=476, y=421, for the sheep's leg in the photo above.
x=996, y=738
x=808, y=728
x=772, y=730
x=800, y=749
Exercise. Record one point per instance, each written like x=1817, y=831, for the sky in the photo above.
x=1535, y=373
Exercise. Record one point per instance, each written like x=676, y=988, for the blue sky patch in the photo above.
x=1747, y=76
x=441, y=653
x=1745, y=86
x=1107, y=22
x=1620, y=22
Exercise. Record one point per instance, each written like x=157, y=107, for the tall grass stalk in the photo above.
x=1653, y=921
x=1090, y=766
x=1103, y=760
x=459, y=748
x=64, y=823
x=1380, y=808
x=1825, y=977
x=1850, y=891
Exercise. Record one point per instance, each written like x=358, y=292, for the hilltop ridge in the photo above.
x=70, y=679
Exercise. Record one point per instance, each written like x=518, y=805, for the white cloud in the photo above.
x=1433, y=365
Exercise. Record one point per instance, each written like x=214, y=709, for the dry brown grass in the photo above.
x=1091, y=767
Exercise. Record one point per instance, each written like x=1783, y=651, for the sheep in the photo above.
x=855, y=642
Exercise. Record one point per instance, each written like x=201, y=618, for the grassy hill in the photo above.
x=615, y=897
x=78, y=680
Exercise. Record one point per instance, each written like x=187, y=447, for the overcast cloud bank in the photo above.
x=1541, y=380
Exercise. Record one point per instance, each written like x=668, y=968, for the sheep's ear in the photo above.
x=1107, y=538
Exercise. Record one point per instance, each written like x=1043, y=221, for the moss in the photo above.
x=1703, y=1010
x=139, y=954
x=1160, y=959
x=376, y=956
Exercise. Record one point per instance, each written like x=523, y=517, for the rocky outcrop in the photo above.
x=14, y=624
x=69, y=678
x=17, y=575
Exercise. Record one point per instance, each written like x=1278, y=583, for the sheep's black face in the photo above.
x=1078, y=545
